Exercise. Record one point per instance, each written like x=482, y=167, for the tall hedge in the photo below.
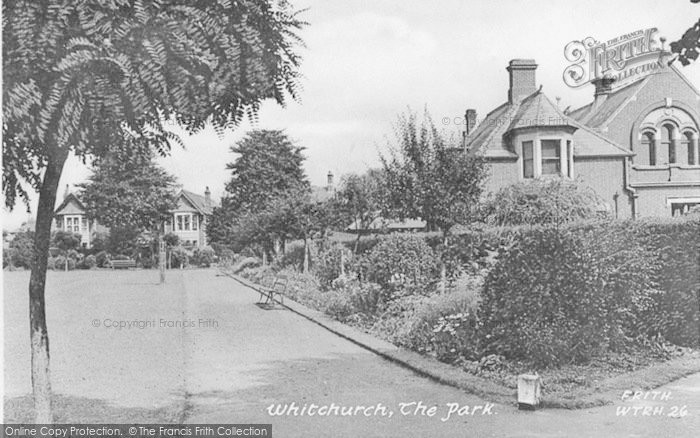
x=562, y=295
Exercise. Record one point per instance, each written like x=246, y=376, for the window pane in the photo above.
x=179, y=222
x=187, y=222
x=569, y=159
x=528, y=168
x=550, y=148
x=195, y=222
x=550, y=167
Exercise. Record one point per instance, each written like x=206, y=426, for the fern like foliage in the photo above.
x=85, y=75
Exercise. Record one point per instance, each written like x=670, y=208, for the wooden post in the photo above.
x=161, y=260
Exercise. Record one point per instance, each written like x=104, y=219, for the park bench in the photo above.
x=270, y=288
x=123, y=264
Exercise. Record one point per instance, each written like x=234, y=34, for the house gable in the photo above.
x=71, y=205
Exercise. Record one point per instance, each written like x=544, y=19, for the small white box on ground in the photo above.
x=528, y=391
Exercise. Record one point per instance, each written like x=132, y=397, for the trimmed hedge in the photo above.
x=566, y=294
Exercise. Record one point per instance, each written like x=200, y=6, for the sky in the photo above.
x=366, y=62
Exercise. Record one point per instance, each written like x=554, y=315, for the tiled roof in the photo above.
x=599, y=117
x=69, y=197
x=198, y=201
x=535, y=110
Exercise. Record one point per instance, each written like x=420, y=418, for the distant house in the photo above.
x=71, y=216
x=380, y=225
x=190, y=218
x=636, y=145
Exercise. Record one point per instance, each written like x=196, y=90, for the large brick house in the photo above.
x=188, y=222
x=635, y=145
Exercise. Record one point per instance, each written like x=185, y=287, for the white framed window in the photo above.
x=528, y=160
x=547, y=157
x=551, y=157
x=186, y=222
x=72, y=224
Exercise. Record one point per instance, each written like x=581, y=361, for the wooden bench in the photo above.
x=277, y=287
x=123, y=264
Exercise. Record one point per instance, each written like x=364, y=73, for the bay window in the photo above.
x=528, y=160
x=551, y=157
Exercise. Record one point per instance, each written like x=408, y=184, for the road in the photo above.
x=198, y=350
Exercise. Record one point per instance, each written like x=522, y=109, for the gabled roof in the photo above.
x=535, y=111
x=66, y=200
x=599, y=118
x=199, y=202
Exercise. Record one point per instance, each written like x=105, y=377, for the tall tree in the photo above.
x=268, y=166
x=429, y=179
x=82, y=76
x=362, y=198
x=127, y=189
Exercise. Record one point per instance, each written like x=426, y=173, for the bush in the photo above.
x=22, y=250
x=203, y=257
x=88, y=262
x=102, y=259
x=51, y=263
x=563, y=295
x=60, y=263
x=179, y=257
x=246, y=263
x=401, y=264
x=543, y=201
x=327, y=263
x=293, y=256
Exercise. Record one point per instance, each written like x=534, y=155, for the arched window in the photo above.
x=668, y=143
x=648, y=153
x=687, y=141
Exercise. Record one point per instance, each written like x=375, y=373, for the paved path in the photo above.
x=237, y=359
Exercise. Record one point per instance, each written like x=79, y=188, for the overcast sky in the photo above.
x=367, y=61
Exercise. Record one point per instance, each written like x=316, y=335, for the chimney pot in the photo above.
x=330, y=180
x=207, y=196
x=603, y=87
x=470, y=121
x=522, y=79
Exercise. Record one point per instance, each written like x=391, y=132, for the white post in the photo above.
x=528, y=391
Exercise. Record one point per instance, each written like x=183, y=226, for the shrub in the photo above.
x=88, y=262
x=401, y=264
x=171, y=239
x=203, y=257
x=246, y=263
x=542, y=201
x=327, y=264
x=563, y=295
x=60, y=263
x=51, y=263
x=179, y=257
x=102, y=259
x=293, y=256
x=22, y=249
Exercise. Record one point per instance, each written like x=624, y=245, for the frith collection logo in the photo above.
x=623, y=59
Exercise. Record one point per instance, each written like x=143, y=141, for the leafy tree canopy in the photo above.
x=688, y=46
x=83, y=75
x=430, y=179
x=129, y=191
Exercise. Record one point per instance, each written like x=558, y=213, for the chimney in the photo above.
x=207, y=196
x=470, y=120
x=67, y=192
x=522, y=79
x=329, y=185
x=603, y=87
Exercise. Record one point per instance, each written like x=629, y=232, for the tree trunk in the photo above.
x=305, y=267
x=357, y=243
x=39, y=337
